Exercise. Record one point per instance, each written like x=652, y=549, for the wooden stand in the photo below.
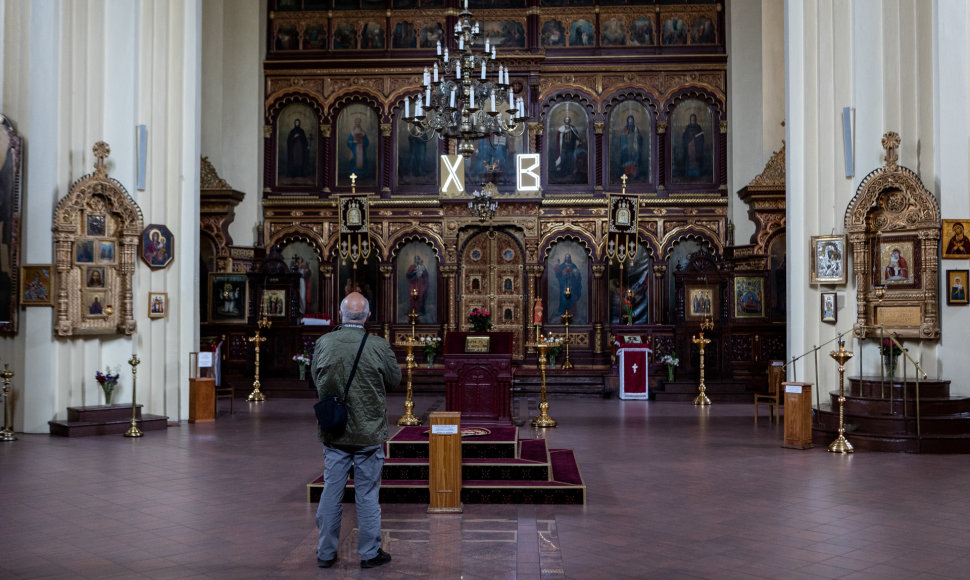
x=444, y=482
x=798, y=415
x=202, y=400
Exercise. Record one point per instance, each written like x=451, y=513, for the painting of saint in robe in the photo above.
x=567, y=282
x=417, y=282
x=357, y=143
x=630, y=130
x=301, y=258
x=568, y=130
x=297, y=141
x=417, y=157
x=693, y=143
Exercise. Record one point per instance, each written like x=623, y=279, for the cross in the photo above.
x=257, y=339
x=353, y=182
x=634, y=368
x=700, y=341
x=623, y=179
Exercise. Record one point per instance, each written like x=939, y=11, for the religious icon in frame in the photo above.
x=157, y=246
x=274, y=303
x=956, y=244
x=828, y=260
x=94, y=277
x=297, y=143
x=95, y=225
x=477, y=343
x=899, y=261
x=84, y=251
x=157, y=304
x=700, y=302
x=228, y=298
x=749, y=294
x=956, y=287
x=93, y=304
x=36, y=285
x=830, y=307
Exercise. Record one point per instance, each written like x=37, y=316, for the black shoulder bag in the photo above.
x=332, y=411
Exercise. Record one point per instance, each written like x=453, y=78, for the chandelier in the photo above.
x=483, y=204
x=459, y=100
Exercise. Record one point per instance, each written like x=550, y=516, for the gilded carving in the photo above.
x=773, y=174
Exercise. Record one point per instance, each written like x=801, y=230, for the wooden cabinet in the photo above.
x=479, y=384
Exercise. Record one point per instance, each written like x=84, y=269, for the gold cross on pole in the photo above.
x=353, y=183
x=623, y=179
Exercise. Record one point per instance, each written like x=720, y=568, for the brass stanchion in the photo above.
x=7, y=433
x=701, y=398
x=409, y=418
x=840, y=445
x=543, y=420
x=566, y=319
x=133, y=431
x=257, y=396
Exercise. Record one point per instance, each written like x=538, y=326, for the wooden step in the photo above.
x=104, y=420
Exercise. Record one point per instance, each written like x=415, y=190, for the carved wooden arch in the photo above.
x=416, y=233
x=631, y=93
x=574, y=96
x=685, y=233
x=356, y=96
x=469, y=231
x=893, y=207
x=567, y=234
x=275, y=103
x=713, y=100
x=92, y=200
x=297, y=232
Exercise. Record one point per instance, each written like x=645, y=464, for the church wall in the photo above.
x=96, y=71
x=872, y=56
x=232, y=131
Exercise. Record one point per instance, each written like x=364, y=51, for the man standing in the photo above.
x=362, y=443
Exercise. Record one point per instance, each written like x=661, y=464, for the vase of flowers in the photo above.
x=628, y=310
x=890, y=356
x=108, y=381
x=481, y=320
x=672, y=363
x=553, y=348
x=430, y=346
x=303, y=361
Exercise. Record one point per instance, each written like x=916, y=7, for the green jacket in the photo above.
x=378, y=370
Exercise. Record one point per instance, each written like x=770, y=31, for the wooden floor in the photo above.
x=674, y=491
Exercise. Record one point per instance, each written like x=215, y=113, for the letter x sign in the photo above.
x=453, y=175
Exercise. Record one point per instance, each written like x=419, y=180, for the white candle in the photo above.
x=472, y=94
x=435, y=72
x=458, y=70
x=134, y=340
x=486, y=44
x=466, y=4
x=483, y=70
x=452, y=100
x=493, y=53
x=446, y=54
x=439, y=48
x=461, y=42
x=407, y=107
x=427, y=97
x=418, y=111
x=491, y=98
x=426, y=75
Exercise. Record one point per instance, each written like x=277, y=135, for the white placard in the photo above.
x=205, y=359
x=444, y=429
x=527, y=172
x=796, y=389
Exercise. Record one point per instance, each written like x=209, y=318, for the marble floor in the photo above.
x=674, y=491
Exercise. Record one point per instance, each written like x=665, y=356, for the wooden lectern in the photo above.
x=202, y=389
x=798, y=415
x=444, y=481
x=478, y=377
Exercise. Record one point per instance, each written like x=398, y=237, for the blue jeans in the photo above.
x=367, y=463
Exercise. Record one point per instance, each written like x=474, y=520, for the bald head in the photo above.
x=354, y=309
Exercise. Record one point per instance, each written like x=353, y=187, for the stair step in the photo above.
x=113, y=427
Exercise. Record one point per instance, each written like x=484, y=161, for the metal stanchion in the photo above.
x=543, y=420
x=133, y=431
x=409, y=419
x=257, y=396
x=7, y=433
x=840, y=445
x=701, y=398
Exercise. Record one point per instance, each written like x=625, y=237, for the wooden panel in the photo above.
x=798, y=415
x=202, y=400
x=444, y=482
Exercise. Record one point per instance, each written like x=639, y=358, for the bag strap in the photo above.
x=353, y=371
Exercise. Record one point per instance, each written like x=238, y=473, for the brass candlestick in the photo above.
x=701, y=398
x=543, y=420
x=7, y=433
x=840, y=445
x=567, y=317
x=133, y=431
x=257, y=396
x=409, y=418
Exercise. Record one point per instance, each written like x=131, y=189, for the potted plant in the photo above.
x=481, y=320
x=108, y=382
x=890, y=355
x=430, y=346
x=672, y=362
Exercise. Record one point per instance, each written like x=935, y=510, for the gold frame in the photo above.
x=950, y=274
x=948, y=226
x=243, y=317
x=835, y=307
x=477, y=344
x=734, y=295
x=818, y=245
x=24, y=272
x=688, y=301
x=164, y=311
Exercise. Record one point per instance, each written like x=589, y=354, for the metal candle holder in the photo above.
x=257, y=396
x=7, y=433
x=133, y=431
x=567, y=317
x=409, y=418
x=543, y=420
x=841, y=445
x=701, y=398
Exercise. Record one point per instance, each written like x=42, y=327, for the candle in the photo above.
x=452, y=100
x=486, y=44
x=439, y=48
x=427, y=97
x=407, y=108
x=493, y=53
x=426, y=77
x=418, y=111
x=466, y=4
x=458, y=70
x=461, y=42
x=491, y=98
x=483, y=70
x=472, y=94
x=446, y=54
x=435, y=72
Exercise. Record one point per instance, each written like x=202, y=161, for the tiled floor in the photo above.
x=674, y=491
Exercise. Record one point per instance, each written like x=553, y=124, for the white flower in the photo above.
x=670, y=360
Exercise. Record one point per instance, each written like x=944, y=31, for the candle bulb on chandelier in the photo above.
x=492, y=99
x=439, y=48
x=472, y=95
x=427, y=97
x=407, y=107
x=483, y=70
x=461, y=42
x=486, y=44
x=451, y=100
x=435, y=72
x=446, y=55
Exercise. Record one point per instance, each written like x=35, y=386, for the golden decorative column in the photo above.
x=448, y=273
x=840, y=445
x=7, y=433
x=701, y=398
x=543, y=420
x=601, y=305
x=133, y=430
x=257, y=396
x=409, y=418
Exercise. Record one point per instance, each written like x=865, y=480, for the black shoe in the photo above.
x=380, y=559
x=326, y=563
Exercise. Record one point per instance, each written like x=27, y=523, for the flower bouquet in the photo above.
x=108, y=382
x=430, y=346
x=890, y=353
x=672, y=362
x=553, y=348
x=303, y=360
x=628, y=310
x=481, y=320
